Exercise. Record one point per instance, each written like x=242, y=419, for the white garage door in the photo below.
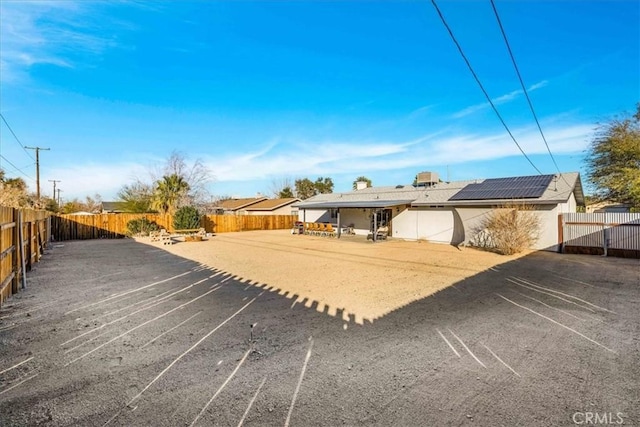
x=434, y=225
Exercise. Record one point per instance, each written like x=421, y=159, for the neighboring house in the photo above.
x=447, y=212
x=608, y=206
x=112, y=207
x=274, y=207
x=235, y=206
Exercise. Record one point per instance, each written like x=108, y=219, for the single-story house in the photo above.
x=447, y=212
x=112, y=207
x=608, y=206
x=234, y=206
x=273, y=207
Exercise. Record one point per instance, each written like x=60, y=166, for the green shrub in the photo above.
x=141, y=227
x=186, y=217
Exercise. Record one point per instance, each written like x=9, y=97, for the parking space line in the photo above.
x=448, y=343
x=559, y=324
x=224, y=384
x=564, y=294
x=175, y=327
x=522, y=285
x=147, y=307
x=467, y=348
x=500, y=360
x=548, y=306
x=251, y=402
x=295, y=393
x=21, y=382
x=127, y=292
x=146, y=300
x=177, y=359
x=140, y=326
x=16, y=365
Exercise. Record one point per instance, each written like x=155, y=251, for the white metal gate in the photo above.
x=619, y=231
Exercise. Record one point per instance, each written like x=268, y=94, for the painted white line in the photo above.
x=177, y=359
x=558, y=323
x=140, y=326
x=224, y=384
x=128, y=292
x=523, y=285
x=83, y=343
x=448, y=343
x=146, y=307
x=6, y=328
x=146, y=300
x=548, y=306
x=17, y=384
x=166, y=332
x=500, y=360
x=528, y=282
x=253, y=399
x=16, y=365
x=572, y=280
x=295, y=394
x=467, y=348
x=24, y=313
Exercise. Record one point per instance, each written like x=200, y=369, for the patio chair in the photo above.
x=329, y=230
x=382, y=233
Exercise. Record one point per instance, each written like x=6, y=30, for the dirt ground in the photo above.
x=361, y=279
x=268, y=328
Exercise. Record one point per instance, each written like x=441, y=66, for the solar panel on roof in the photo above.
x=521, y=187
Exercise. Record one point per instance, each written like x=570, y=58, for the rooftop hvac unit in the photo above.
x=427, y=178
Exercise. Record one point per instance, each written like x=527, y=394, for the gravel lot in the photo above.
x=268, y=328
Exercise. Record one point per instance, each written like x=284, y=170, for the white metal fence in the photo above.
x=619, y=231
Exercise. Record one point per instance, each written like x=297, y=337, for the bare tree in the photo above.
x=279, y=186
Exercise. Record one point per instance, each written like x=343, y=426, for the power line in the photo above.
x=16, y=168
x=16, y=137
x=524, y=89
x=475, y=76
x=37, y=150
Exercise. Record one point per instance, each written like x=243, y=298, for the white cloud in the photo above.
x=89, y=179
x=327, y=158
x=502, y=99
x=48, y=32
x=322, y=158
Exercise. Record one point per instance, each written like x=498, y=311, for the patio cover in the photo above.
x=360, y=204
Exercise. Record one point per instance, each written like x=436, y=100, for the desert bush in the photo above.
x=508, y=230
x=187, y=217
x=141, y=227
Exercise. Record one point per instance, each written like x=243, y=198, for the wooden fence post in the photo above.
x=16, y=252
x=21, y=246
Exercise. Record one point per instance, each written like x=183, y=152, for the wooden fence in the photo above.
x=609, y=234
x=24, y=234
x=110, y=226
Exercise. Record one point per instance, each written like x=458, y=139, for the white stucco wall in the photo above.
x=431, y=224
x=548, y=215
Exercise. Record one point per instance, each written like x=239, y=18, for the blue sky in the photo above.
x=263, y=91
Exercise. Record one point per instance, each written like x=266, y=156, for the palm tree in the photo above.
x=168, y=192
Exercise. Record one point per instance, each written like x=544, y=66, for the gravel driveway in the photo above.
x=266, y=328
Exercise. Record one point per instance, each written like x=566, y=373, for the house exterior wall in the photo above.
x=314, y=215
x=431, y=224
x=360, y=218
x=547, y=214
x=569, y=206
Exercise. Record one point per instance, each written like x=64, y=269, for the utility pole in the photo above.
x=37, y=149
x=54, y=188
x=59, y=190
